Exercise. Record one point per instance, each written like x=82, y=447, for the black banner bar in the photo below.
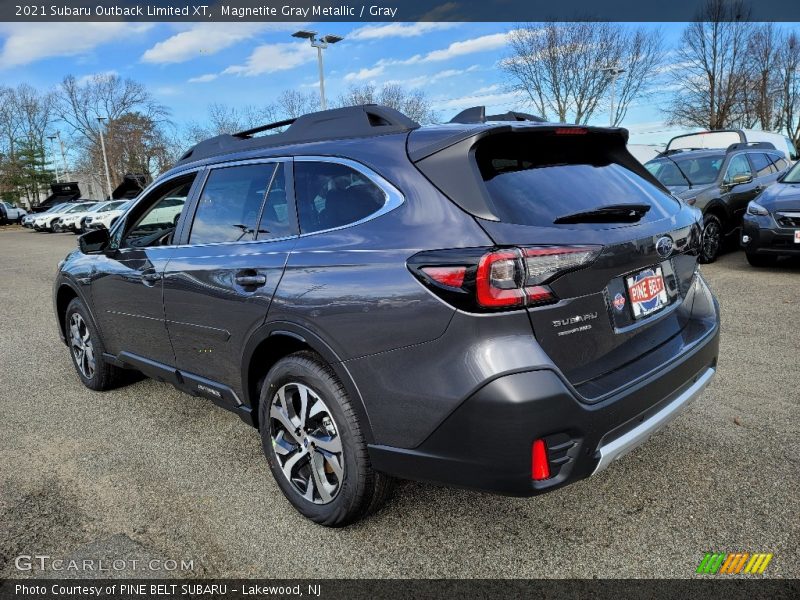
x=381, y=10
x=711, y=588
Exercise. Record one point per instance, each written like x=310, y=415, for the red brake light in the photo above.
x=497, y=282
x=449, y=276
x=571, y=131
x=540, y=466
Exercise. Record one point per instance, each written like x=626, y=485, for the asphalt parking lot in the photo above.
x=148, y=472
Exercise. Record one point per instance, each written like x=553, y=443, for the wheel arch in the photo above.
x=65, y=294
x=719, y=210
x=276, y=340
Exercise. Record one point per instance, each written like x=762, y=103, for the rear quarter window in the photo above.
x=536, y=180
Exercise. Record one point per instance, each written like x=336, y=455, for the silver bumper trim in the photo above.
x=641, y=433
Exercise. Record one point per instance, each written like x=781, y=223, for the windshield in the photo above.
x=793, y=175
x=676, y=171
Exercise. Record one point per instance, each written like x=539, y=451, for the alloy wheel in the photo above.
x=711, y=239
x=80, y=341
x=306, y=442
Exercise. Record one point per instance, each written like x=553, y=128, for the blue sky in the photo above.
x=188, y=66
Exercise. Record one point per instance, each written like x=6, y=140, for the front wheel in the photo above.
x=314, y=444
x=711, y=243
x=87, y=349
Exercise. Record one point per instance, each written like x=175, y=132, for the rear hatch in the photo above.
x=541, y=188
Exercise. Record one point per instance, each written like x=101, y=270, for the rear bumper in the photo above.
x=486, y=443
x=765, y=237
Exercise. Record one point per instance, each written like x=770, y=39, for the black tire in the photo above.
x=712, y=240
x=103, y=376
x=761, y=260
x=360, y=491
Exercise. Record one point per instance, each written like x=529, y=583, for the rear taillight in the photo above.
x=498, y=279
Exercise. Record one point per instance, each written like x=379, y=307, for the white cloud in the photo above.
x=503, y=100
x=26, y=43
x=205, y=39
x=84, y=79
x=483, y=43
x=204, y=78
x=397, y=30
x=364, y=74
x=424, y=80
x=270, y=58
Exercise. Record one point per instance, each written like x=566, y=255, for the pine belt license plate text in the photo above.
x=646, y=292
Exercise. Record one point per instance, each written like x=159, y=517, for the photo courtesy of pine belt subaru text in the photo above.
x=496, y=303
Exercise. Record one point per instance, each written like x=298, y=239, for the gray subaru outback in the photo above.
x=498, y=302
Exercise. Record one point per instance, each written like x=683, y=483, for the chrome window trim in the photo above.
x=394, y=199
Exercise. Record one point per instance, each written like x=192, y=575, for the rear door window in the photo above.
x=331, y=195
x=536, y=181
x=761, y=164
x=229, y=207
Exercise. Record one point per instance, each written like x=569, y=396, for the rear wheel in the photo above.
x=761, y=260
x=712, y=239
x=87, y=349
x=314, y=443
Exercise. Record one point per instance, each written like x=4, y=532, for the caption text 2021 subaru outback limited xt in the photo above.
x=497, y=303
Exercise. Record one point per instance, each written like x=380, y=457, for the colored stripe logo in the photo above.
x=717, y=563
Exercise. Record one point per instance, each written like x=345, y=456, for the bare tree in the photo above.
x=80, y=103
x=759, y=95
x=713, y=67
x=559, y=67
x=789, y=98
x=415, y=104
x=292, y=104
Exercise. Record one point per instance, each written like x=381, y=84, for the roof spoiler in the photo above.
x=477, y=114
x=350, y=121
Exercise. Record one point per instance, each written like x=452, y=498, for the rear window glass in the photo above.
x=534, y=181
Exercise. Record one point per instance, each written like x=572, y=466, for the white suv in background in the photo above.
x=105, y=217
x=11, y=213
x=49, y=221
x=76, y=221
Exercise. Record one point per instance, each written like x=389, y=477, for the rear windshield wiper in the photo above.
x=613, y=213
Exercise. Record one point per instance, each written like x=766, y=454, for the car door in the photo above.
x=127, y=283
x=739, y=194
x=219, y=284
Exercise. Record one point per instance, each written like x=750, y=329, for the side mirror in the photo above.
x=740, y=179
x=94, y=241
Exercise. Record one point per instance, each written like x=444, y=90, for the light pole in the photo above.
x=63, y=156
x=614, y=72
x=320, y=44
x=52, y=139
x=105, y=158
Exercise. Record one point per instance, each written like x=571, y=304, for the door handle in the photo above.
x=251, y=280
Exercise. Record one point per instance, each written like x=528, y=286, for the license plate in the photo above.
x=797, y=236
x=646, y=292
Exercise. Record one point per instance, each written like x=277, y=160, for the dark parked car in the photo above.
x=720, y=183
x=772, y=222
x=497, y=303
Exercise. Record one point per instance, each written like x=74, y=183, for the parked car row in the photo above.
x=77, y=217
x=748, y=192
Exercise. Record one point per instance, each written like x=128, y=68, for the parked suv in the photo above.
x=496, y=303
x=720, y=183
x=11, y=213
x=772, y=222
x=107, y=216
